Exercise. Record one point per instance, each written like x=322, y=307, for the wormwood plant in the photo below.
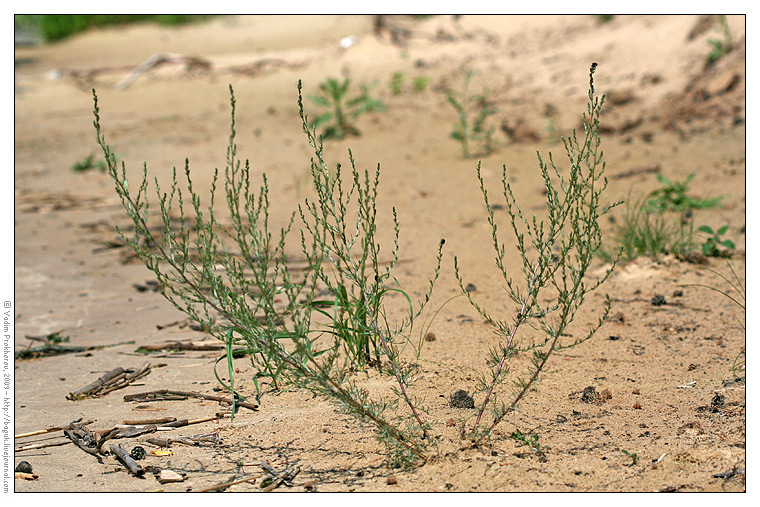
x=343, y=111
x=471, y=125
x=555, y=261
x=306, y=328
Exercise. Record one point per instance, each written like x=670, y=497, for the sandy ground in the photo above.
x=658, y=367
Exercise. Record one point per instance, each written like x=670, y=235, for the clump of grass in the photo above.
x=343, y=111
x=662, y=223
x=472, y=121
x=555, y=261
x=641, y=232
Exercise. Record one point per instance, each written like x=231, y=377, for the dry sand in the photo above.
x=666, y=114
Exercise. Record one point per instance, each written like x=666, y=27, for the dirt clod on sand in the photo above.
x=461, y=399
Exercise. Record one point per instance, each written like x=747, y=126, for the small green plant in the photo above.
x=672, y=197
x=471, y=125
x=344, y=111
x=530, y=441
x=715, y=245
x=555, y=261
x=604, y=18
x=720, y=47
x=396, y=83
x=634, y=457
x=88, y=163
x=420, y=83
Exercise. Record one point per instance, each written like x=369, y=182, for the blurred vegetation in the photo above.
x=53, y=27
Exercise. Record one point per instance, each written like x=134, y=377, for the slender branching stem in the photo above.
x=502, y=361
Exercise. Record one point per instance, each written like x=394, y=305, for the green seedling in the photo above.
x=715, y=245
x=471, y=125
x=634, y=457
x=420, y=83
x=396, y=83
x=672, y=197
x=720, y=47
x=87, y=163
x=343, y=111
x=530, y=441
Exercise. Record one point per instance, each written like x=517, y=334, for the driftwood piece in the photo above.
x=166, y=394
x=157, y=421
x=54, y=349
x=25, y=477
x=115, y=379
x=261, y=66
x=280, y=478
x=158, y=59
x=125, y=458
x=82, y=437
x=40, y=432
x=182, y=346
x=30, y=447
x=227, y=484
x=202, y=440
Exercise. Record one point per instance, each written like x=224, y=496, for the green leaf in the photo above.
x=728, y=244
x=722, y=230
x=706, y=229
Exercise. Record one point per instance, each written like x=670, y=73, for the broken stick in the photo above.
x=125, y=458
x=225, y=485
x=114, y=379
x=162, y=394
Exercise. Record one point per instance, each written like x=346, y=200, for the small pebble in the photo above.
x=167, y=476
x=391, y=480
x=24, y=467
